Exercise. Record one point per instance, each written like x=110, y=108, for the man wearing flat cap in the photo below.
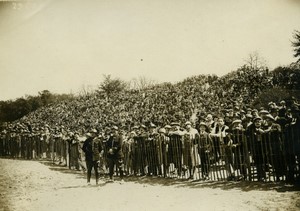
x=92, y=149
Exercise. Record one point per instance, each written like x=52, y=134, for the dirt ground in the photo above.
x=32, y=185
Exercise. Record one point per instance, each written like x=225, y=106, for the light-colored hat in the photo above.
x=257, y=118
x=249, y=115
x=162, y=130
x=263, y=112
x=93, y=131
x=209, y=116
x=152, y=125
x=237, y=121
x=269, y=116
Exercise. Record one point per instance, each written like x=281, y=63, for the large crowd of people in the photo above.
x=252, y=145
x=202, y=126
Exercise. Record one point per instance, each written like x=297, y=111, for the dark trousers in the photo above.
x=90, y=165
x=118, y=162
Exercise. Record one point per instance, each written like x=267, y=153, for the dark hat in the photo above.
x=203, y=124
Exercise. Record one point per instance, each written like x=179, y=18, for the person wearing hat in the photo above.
x=175, y=147
x=282, y=109
x=162, y=144
x=92, y=149
x=238, y=148
x=74, y=151
x=247, y=121
x=254, y=113
x=114, y=153
x=176, y=129
x=138, y=155
x=256, y=140
x=167, y=128
x=218, y=135
x=275, y=145
x=151, y=151
x=203, y=144
x=127, y=149
x=189, y=156
x=190, y=130
x=209, y=121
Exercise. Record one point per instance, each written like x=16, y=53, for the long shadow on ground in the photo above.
x=179, y=183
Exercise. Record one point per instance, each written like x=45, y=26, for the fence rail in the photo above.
x=241, y=155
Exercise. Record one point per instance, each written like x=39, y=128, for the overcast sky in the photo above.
x=63, y=45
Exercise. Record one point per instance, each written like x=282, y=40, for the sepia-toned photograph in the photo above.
x=149, y=105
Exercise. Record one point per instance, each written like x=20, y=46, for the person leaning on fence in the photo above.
x=275, y=154
x=218, y=134
x=92, y=149
x=175, y=151
x=114, y=153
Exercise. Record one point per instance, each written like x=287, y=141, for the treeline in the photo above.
x=11, y=110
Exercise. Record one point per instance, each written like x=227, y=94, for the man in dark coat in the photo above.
x=92, y=149
x=114, y=153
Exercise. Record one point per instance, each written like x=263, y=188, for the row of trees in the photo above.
x=12, y=110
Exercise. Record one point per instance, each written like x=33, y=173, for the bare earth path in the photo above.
x=31, y=185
